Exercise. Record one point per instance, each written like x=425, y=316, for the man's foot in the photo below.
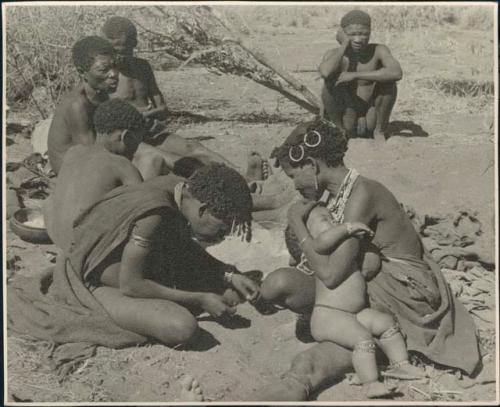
x=258, y=168
x=377, y=390
x=379, y=136
x=190, y=389
x=404, y=371
x=303, y=328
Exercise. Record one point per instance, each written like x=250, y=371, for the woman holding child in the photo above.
x=407, y=295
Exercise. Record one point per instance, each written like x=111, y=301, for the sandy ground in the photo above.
x=440, y=161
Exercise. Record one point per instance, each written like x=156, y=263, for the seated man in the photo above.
x=360, y=80
x=98, y=167
x=72, y=123
x=138, y=86
x=95, y=60
x=160, y=269
x=137, y=269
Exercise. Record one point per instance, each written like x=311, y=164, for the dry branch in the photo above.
x=203, y=35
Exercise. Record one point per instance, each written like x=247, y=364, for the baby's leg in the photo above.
x=342, y=328
x=386, y=329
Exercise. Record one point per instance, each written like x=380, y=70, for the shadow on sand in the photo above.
x=405, y=128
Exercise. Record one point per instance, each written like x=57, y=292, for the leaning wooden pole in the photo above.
x=249, y=47
x=307, y=98
x=287, y=77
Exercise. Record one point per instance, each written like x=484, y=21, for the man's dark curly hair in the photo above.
x=116, y=114
x=85, y=50
x=331, y=150
x=226, y=194
x=186, y=166
x=116, y=26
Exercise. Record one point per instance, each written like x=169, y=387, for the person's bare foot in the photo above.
x=190, y=389
x=404, y=371
x=258, y=169
x=376, y=390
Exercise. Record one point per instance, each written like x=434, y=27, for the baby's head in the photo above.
x=319, y=220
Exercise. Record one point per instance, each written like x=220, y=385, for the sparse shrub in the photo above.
x=39, y=41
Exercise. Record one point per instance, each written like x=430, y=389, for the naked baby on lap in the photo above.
x=354, y=325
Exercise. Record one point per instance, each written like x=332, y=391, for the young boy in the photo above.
x=88, y=172
x=138, y=86
x=353, y=324
x=94, y=59
x=137, y=83
x=360, y=80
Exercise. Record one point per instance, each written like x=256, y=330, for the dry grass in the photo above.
x=40, y=70
x=39, y=40
x=397, y=18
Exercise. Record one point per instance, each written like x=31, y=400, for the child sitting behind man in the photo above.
x=341, y=315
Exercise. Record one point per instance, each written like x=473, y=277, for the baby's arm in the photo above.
x=327, y=241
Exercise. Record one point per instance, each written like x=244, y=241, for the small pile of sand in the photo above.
x=266, y=251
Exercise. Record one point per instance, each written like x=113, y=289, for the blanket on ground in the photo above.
x=453, y=238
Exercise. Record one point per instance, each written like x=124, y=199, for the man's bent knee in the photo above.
x=276, y=284
x=179, y=330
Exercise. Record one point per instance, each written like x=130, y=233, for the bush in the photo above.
x=39, y=66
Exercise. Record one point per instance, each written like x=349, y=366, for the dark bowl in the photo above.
x=29, y=225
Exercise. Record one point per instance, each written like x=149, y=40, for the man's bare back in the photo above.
x=71, y=125
x=87, y=174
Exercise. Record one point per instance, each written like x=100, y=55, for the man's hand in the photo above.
x=216, y=305
x=345, y=77
x=300, y=210
x=245, y=286
x=341, y=36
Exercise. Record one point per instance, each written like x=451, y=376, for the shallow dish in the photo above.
x=29, y=225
